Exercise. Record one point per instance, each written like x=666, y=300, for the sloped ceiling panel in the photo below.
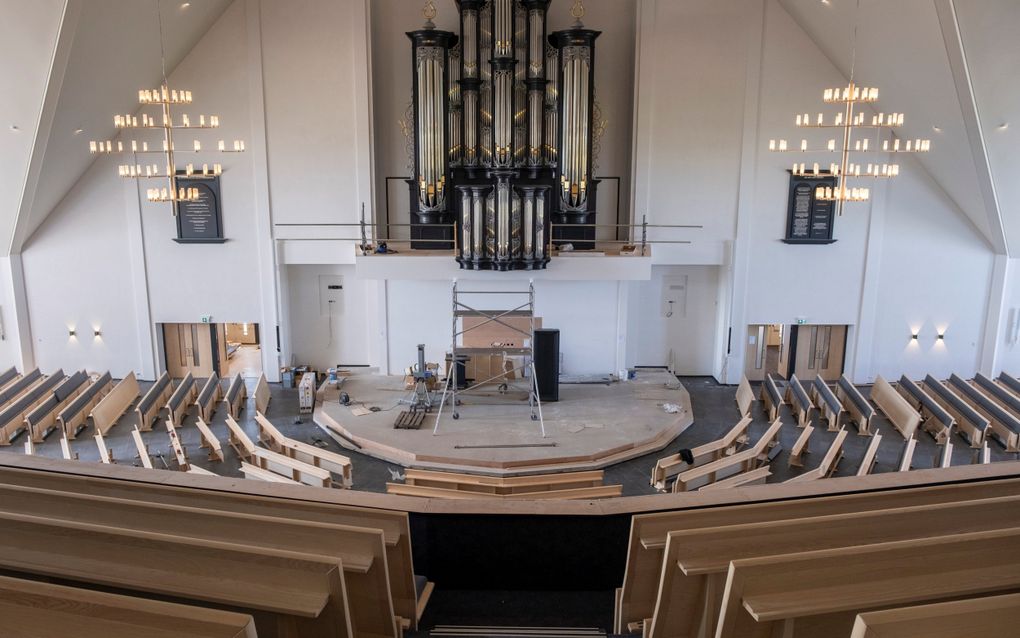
x=900, y=50
x=116, y=51
x=989, y=31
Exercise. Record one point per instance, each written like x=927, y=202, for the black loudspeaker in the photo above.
x=547, y=364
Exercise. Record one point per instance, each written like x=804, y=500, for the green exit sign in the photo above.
x=801, y=321
x=206, y=318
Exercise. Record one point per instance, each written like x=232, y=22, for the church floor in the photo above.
x=714, y=414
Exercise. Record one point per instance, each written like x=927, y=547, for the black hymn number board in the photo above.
x=809, y=220
x=200, y=221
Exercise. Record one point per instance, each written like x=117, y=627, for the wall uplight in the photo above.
x=97, y=333
x=71, y=333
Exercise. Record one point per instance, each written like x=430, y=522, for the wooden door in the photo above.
x=188, y=348
x=820, y=351
x=755, y=357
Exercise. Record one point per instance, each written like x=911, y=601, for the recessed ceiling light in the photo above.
x=1004, y=126
x=79, y=131
x=937, y=129
x=15, y=128
x=826, y=2
x=185, y=5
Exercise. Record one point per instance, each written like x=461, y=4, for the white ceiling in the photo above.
x=901, y=50
x=115, y=52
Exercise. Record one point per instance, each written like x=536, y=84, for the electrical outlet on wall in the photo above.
x=331, y=292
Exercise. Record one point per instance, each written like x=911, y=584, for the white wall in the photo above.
x=317, y=340
x=935, y=277
x=1008, y=339
x=690, y=333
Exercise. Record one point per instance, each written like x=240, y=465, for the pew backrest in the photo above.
x=236, y=395
x=870, y=455
x=74, y=416
x=182, y=398
x=153, y=401
x=291, y=468
x=968, y=420
x=209, y=396
x=12, y=418
x=827, y=401
x=262, y=394
x=1009, y=381
x=268, y=434
x=143, y=449
x=906, y=455
x=209, y=440
x=1005, y=398
x=19, y=386
x=43, y=417
x=897, y=409
x=115, y=404
x=1004, y=426
x=8, y=375
x=800, y=402
x=745, y=397
x=938, y=421
x=860, y=410
x=239, y=439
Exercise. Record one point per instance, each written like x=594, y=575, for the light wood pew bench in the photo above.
x=730, y=443
x=360, y=550
x=969, y=423
x=860, y=411
x=209, y=397
x=936, y=420
x=771, y=398
x=895, y=407
x=636, y=599
x=985, y=616
x=800, y=448
x=696, y=562
x=236, y=396
x=829, y=462
x=115, y=404
x=153, y=401
x=301, y=594
x=75, y=415
x=34, y=609
x=182, y=399
x=868, y=460
x=42, y=419
x=1005, y=398
x=1002, y=425
x=832, y=586
x=395, y=525
x=12, y=417
x=800, y=402
x=827, y=403
x=18, y=386
x=745, y=397
x=740, y=462
x=262, y=395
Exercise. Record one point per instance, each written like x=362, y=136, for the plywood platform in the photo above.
x=591, y=427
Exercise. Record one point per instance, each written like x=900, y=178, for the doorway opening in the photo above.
x=243, y=349
x=204, y=348
x=804, y=350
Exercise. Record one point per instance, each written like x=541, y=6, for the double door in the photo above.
x=190, y=347
x=803, y=350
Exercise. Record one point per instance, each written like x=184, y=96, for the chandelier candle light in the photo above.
x=167, y=169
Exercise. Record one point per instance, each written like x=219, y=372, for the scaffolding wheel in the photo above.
x=456, y=416
x=503, y=388
x=534, y=417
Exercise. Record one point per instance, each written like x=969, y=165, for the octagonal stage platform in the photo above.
x=592, y=425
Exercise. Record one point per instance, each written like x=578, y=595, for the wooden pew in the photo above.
x=395, y=525
x=1009, y=382
x=194, y=469
x=753, y=477
x=1002, y=425
x=771, y=398
x=301, y=594
x=982, y=456
x=209, y=441
x=829, y=462
x=209, y=398
x=17, y=387
x=12, y=417
x=8, y=376
x=42, y=419
x=696, y=561
x=856, y=405
x=262, y=395
x=583, y=493
x=868, y=461
x=236, y=396
x=154, y=401
x=985, y=616
x=944, y=458
x=936, y=420
x=827, y=403
x=906, y=455
x=256, y=473
x=115, y=404
x=800, y=448
x=1004, y=397
x=648, y=531
x=831, y=583
x=740, y=462
x=730, y=443
x=239, y=440
x=330, y=461
x=492, y=485
x=361, y=551
x=800, y=402
x=105, y=456
x=286, y=466
x=745, y=398
x=182, y=399
x=897, y=409
x=65, y=449
x=74, y=416
x=33, y=609
x=183, y=463
x=143, y=449
x=969, y=423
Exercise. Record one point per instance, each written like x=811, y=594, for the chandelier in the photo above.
x=165, y=100
x=856, y=134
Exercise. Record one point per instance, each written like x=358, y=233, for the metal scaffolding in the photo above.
x=463, y=310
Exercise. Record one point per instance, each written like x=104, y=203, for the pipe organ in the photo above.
x=503, y=136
